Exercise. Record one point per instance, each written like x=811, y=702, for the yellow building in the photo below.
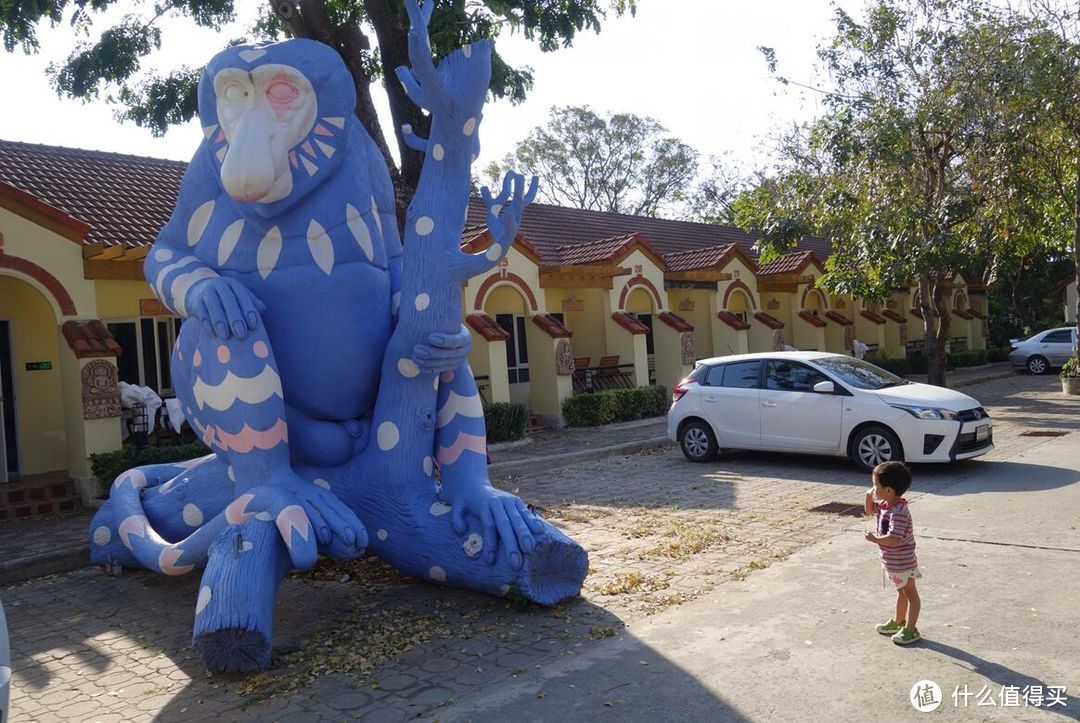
x=584, y=300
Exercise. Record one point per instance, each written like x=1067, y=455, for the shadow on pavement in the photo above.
x=999, y=674
x=1013, y=477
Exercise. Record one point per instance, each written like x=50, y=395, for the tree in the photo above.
x=1046, y=103
x=886, y=172
x=713, y=197
x=621, y=163
x=372, y=37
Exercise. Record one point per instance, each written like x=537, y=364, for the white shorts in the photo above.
x=900, y=578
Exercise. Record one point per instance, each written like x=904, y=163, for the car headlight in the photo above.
x=926, y=412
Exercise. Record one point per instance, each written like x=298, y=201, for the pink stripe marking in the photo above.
x=447, y=376
x=306, y=147
x=292, y=159
x=219, y=137
x=248, y=439
x=134, y=525
x=321, y=130
x=236, y=513
x=293, y=518
x=464, y=442
x=167, y=562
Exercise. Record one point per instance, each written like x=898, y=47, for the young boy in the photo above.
x=895, y=538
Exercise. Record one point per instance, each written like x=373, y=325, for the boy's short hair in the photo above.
x=894, y=475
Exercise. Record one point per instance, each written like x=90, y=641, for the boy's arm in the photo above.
x=868, y=503
x=883, y=540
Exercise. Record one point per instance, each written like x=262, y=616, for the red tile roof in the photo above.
x=552, y=227
x=486, y=327
x=809, y=317
x=676, y=322
x=731, y=320
x=89, y=339
x=125, y=199
x=591, y=252
x=871, y=316
x=552, y=326
x=838, y=318
x=916, y=311
x=962, y=313
x=628, y=322
x=787, y=264
x=895, y=316
x=976, y=313
x=770, y=321
x=699, y=258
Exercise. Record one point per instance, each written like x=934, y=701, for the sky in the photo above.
x=691, y=64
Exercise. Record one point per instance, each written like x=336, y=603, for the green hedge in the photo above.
x=591, y=409
x=505, y=421
x=998, y=354
x=107, y=466
x=900, y=367
x=973, y=358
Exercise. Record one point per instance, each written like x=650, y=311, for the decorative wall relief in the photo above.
x=564, y=358
x=689, y=356
x=100, y=390
x=849, y=338
x=573, y=303
x=773, y=304
x=686, y=304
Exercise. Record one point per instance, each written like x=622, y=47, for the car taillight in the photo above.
x=679, y=390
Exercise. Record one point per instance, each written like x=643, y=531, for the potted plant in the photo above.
x=1070, y=376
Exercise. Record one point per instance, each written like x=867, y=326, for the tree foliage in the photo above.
x=621, y=163
x=370, y=36
x=897, y=171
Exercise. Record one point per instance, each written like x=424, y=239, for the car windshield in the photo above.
x=858, y=373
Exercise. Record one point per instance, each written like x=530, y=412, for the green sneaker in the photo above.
x=890, y=627
x=906, y=636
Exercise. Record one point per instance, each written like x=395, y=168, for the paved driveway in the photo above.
x=359, y=640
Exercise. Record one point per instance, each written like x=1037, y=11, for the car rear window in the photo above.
x=740, y=375
x=1057, y=337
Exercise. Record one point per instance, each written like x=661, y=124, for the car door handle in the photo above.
x=769, y=404
x=712, y=398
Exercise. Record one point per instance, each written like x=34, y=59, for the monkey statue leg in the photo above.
x=232, y=394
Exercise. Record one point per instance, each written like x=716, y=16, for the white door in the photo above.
x=794, y=416
x=729, y=398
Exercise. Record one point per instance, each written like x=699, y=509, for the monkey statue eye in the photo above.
x=282, y=92
x=235, y=92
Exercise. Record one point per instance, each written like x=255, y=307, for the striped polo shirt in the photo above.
x=894, y=520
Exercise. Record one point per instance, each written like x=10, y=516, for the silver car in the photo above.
x=1040, y=352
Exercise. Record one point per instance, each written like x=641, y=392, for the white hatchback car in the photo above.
x=805, y=401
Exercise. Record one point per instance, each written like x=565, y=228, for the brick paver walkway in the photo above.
x=364, y=641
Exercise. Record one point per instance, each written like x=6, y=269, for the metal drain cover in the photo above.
x=1045, y=433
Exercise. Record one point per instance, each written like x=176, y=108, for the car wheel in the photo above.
x=873, y=445
x=698, y=442
x=1038, y=365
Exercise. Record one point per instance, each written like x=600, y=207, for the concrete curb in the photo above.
x=501, y=469
x=47, y=563
x=983, y=380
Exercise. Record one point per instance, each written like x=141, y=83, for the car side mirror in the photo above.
x=825, y=388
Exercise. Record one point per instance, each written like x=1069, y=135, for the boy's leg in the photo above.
x=914, y=603
x=900, y=616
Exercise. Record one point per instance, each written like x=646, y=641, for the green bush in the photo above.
x=107, y=466
x=505, y=421
x=1071, y=368
x=972, y=358
x=900, y=367
x=591, y=409
x=997, y=354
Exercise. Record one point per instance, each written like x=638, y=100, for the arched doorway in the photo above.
x=640, y=304
x=505, y=304
x=810, y=324
x=34, y=435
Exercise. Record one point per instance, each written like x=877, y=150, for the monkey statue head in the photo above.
x=276, y=117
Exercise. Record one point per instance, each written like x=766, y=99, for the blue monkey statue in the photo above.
x=322, y=360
